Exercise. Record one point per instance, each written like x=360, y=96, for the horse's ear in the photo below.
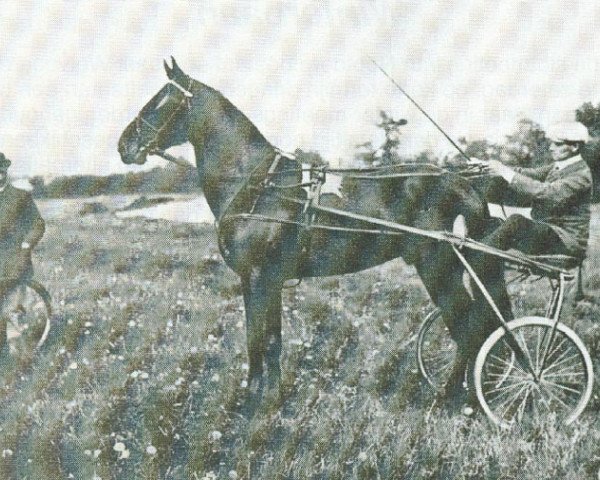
x=168, y=69
x=176, y=70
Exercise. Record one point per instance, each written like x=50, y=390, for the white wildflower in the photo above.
x=151, y=450
x=119, y=447
x=215, y=435
x=7, y=452
x=73, y=366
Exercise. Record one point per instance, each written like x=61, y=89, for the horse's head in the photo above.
x=162, y=122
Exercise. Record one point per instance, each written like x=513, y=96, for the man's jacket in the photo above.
x=560, y=198
x=20, y=221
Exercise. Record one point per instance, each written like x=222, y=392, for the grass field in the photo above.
x=142, y=376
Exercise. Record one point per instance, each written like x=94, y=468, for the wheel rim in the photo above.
x=559, y=386
x=436, y=351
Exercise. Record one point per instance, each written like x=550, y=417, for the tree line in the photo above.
x=169, y=179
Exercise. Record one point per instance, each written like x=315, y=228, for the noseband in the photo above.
x=151, y=145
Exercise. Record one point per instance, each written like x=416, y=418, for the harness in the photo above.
x=151, y=146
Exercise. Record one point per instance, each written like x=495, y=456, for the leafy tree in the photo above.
x=527, y=146
x=310, y=157
x=424, y=157
x=365, y=153
x=590, y=117
x=482, y=149
x=391, y=128
x=387, y=152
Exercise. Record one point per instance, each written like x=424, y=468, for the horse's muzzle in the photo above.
x=138, y=158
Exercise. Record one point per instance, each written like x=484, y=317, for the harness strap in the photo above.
x=185, y=91
x=185, y=101
x=245, y=183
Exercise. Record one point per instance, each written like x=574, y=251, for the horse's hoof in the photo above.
x=452, y=398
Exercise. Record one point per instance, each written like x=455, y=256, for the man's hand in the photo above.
x=495, y=168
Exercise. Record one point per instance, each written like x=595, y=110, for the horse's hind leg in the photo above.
x=441, y=274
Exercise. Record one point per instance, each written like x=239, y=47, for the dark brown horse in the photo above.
x=233, y=159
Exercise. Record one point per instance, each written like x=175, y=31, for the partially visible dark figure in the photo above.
x=559, y=195
x=21, y=228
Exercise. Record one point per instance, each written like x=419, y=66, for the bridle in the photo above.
x=151, y=146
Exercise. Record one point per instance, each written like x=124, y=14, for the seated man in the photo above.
x=560, y=197
x=21, y=228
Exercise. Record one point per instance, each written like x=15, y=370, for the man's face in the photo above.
x=3, y=177
x=561, y=150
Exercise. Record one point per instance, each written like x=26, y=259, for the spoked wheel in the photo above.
x=436, y=351
x=29, y=312
x=559, y=384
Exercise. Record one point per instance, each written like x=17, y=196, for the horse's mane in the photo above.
x=232, y=112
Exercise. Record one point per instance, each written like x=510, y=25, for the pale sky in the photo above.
x=75, y=73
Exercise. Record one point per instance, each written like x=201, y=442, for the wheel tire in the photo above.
x=30, y=312
x=505, y=390
x=436, y=351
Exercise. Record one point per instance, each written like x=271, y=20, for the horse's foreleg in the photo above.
x=273, y=337
x=262, y=299
x=255, y=307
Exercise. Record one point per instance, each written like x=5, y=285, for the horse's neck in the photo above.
x=229, y=149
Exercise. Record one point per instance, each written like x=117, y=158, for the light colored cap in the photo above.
x=568, y=132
